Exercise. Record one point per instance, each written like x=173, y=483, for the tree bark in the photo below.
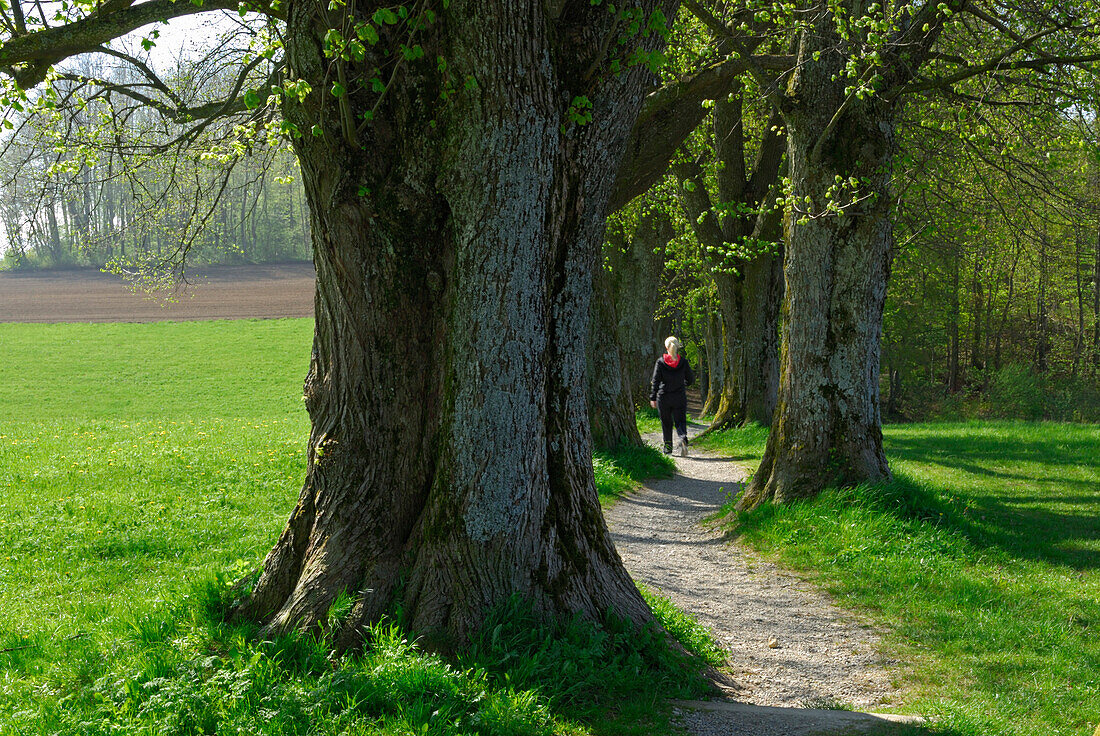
x=450, y=457
x=728, y=411
x=610, y=398
x=761, y=294
x=637, y=261
x=827, y=426
x=715, y=374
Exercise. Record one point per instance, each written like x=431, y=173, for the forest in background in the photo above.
x=993, y=305
x=993, y=299
x=122, y=189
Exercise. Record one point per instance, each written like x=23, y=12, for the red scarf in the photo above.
x=672, y=362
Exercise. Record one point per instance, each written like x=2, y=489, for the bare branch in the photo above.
x=27, y=58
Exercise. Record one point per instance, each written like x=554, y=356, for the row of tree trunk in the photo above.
x=450, y=464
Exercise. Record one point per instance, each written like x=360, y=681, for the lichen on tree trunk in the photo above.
x=450, y=457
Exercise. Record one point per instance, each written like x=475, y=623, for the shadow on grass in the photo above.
x=1002, y=504
x=995, y=511
x=954, y=451
x=984, y=521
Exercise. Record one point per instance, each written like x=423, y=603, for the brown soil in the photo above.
x=216, y=292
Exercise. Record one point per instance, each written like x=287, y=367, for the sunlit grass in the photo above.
x=138, y=463
x=982, y=560
x=623, y=469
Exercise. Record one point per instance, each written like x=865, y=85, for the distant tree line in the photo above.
x=84, y=188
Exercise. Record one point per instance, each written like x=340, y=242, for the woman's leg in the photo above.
x=666, y=424
x=679, y=415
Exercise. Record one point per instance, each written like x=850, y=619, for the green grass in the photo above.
x=138, y=463
x=623, y=469
x=187, y=670
x=159, y=371
x=648, y=419
x=982, y=559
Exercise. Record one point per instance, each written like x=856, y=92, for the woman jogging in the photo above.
x=667, y=393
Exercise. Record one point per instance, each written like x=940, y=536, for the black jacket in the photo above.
x=668, y=381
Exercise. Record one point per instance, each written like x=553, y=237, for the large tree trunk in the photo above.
x=728, y=411
x=827, y=427
x=762, y=290
x=450, y=457
x=610, y=398
x=715, y=373
x=637, y=261
x=761, y=294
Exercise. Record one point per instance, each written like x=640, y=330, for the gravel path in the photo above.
x=789, y=645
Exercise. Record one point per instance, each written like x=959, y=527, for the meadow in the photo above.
x=981, y=561
x=144, y=467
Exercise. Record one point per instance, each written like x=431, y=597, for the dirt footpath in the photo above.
x=794, y=657
x=216, y=292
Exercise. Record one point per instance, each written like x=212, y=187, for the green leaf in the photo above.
x=367, y=33
x=338, y=90
x=385, y=16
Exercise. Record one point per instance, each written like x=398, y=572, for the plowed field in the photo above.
x=219, y=292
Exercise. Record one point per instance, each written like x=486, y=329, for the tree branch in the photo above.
x=178, y=111
x=668, y=116
x=36, y=52
x=993, y=65
x=20, y=19
x=148, y=73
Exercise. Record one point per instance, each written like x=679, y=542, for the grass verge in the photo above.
x=982, y=560
x=648, y=420
x=623, y=469
x=184, y=669
x=139, y=461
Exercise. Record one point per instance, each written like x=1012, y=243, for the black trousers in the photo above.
x=673, y=410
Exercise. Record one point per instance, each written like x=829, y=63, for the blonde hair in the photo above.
x=672, y=340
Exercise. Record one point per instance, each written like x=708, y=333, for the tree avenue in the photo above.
x=855, y=63
x=459, y=161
